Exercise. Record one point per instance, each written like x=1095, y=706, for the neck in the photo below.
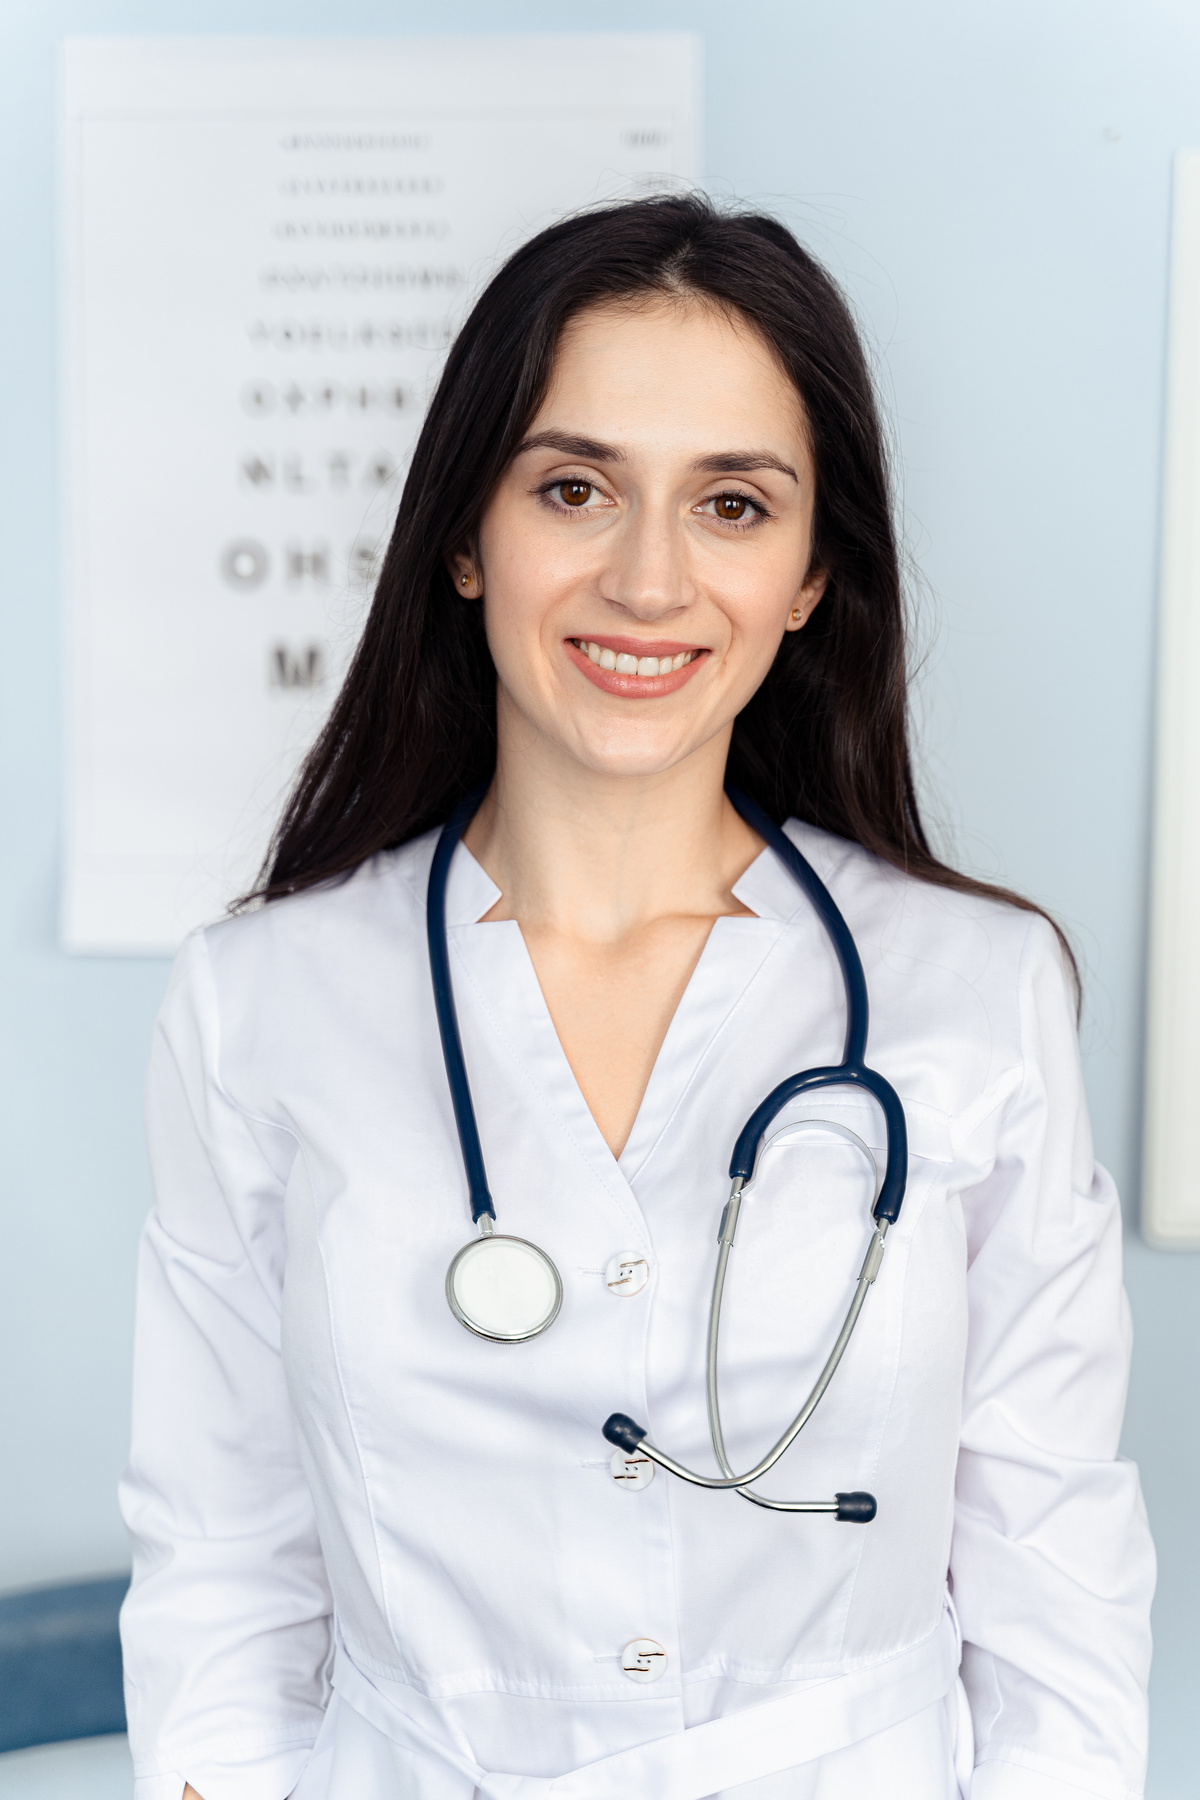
x=598, y=856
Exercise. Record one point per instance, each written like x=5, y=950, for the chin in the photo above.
x=632, y=756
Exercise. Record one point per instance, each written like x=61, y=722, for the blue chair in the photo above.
x=60, y=1663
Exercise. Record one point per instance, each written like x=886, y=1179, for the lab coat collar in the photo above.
x=470, y=891
x=770, y=891
x=765, y=888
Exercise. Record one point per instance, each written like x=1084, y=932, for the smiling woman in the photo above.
x=611, y=830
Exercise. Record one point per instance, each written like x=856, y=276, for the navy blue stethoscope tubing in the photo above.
x=447, y=1012
x=852, y=1071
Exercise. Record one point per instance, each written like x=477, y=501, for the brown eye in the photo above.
x=731, y=506
x=575, y=493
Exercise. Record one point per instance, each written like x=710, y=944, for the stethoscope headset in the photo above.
x=508, y=1290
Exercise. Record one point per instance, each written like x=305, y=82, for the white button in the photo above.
x=644, y=1660
x=631, y=1469
x=627, y=1273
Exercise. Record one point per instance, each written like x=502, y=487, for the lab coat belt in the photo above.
x=758, y=1741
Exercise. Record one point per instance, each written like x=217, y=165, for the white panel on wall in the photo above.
x=1171, y=1174
x=268, y=243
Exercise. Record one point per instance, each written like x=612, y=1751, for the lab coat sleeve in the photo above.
x=1052, y=1567
x=226, y=1629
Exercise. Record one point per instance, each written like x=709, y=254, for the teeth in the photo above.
x=625, y=664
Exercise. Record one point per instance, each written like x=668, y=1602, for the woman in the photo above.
x=645, y=548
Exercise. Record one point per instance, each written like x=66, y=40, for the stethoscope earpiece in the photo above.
x=629, y=1436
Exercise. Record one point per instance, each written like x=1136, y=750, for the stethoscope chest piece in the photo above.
x=504, y=1288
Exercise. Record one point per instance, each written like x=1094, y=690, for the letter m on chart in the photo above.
x=292, y=667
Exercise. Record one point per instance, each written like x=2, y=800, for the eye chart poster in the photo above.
x=268, y=245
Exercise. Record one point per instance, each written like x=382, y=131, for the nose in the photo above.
x=646, y=574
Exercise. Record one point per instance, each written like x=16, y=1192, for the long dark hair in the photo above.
x=825, y=737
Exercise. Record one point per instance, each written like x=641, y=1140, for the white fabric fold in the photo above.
x=760, y=1740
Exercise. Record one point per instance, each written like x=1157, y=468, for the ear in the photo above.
x=807, y=600
x=467, y=579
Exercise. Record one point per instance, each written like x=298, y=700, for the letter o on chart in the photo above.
x=244, y=564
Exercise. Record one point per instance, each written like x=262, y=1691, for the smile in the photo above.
x=635, y=671
x=626, y=664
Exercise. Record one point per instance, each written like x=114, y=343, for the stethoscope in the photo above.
x=508, y=1290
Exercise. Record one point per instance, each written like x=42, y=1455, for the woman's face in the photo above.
x=650, y=542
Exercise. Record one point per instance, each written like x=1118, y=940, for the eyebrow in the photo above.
x=586, y=448
x=742, y=462
x=724, y=462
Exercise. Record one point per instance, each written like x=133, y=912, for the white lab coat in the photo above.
x=359, y=1527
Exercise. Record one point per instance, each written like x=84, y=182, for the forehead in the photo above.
x=671, y=364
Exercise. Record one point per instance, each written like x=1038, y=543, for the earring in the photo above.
x=797, y=613
x=465, y=580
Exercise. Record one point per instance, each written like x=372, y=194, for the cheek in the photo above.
x=520, y=617
x=757, y=607
x=510, y=605
x=524, y=578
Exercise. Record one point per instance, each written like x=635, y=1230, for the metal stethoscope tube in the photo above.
x=621, y=1430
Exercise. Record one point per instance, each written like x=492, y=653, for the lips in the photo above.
x=628, y=658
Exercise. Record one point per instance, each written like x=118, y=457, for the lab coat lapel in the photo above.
x=494, y=964
x=731, y=960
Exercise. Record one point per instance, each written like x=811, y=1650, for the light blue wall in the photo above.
x=992, y=183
